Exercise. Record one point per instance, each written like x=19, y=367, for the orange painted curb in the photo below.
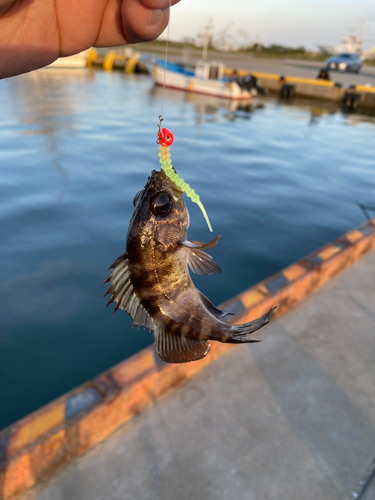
x=298, y=280
x=32, y=448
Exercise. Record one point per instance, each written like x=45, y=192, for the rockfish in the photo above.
x=151, y=280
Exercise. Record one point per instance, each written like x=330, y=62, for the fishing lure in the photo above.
x=165, y=140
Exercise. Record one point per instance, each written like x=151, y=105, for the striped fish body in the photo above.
x=151, y=280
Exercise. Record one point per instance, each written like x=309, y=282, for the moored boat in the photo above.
x=206, y=78
x=69, y=62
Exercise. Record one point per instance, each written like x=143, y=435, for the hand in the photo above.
x=33, y=33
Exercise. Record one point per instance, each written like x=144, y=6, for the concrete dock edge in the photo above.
x=32, y=448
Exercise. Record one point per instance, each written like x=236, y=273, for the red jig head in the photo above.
x=165, y=137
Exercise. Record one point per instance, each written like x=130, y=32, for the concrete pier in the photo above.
x=282, y=77
x=292, y=417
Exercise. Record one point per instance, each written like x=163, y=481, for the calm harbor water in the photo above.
x=277, y=181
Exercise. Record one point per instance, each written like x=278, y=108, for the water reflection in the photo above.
x=210, y=109
x=206, y=108
x=47, y=98
x=41, y=292
x=320, y=109
x=365, y=116
x=46, y=102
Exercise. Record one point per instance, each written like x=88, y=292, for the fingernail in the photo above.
x=154, y=17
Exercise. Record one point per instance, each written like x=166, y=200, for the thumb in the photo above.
x=144, y=21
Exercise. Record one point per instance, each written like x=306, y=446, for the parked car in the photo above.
x=346, y=61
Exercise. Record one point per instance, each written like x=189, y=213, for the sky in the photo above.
x=287, y=22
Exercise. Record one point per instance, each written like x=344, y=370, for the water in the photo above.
x=277, y=181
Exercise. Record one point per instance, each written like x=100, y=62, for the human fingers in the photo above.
x=5, y=4
x=142, y=23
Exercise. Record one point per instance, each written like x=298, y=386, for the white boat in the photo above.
x=70, y=62
x=207, y=78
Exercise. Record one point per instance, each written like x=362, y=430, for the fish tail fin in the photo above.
x=241, y=333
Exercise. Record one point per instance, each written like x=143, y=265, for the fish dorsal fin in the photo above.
x=200, y=262
x=173, y=348
x=211, y=308
x=123, y=295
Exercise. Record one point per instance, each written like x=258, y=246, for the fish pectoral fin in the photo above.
x=206, y=246
x=211, y=308
x=123, y=295
x=173, y=348
x=200, y=262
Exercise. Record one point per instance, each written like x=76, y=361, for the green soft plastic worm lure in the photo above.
x=165, y=140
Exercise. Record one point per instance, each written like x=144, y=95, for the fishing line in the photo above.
x=166, y=58
x=165, y=139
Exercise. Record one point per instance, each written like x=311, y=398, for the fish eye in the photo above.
x=161, y=204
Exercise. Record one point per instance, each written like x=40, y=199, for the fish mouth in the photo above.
x=158, y=180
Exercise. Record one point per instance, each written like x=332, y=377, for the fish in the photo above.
x=152, y=283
